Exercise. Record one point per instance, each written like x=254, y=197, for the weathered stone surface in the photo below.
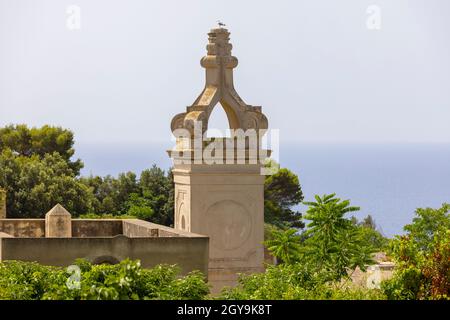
x=188, y=253
x=85, y=228
x=23, y=228
x=58, y=223
x=230, y=210
x=5, y=235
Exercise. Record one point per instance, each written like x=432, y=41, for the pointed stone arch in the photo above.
x=219, y=88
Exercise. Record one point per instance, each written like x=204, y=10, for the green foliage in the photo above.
x=158, y=187
x=422, y=258
x=374, y=238
x=37, y=173
x=111, y=194
x=284, y=245
x=139, y=207
x=327, y=218
x=315, y=262
x=34, y=185
x=282, y=191
x=149, y=198
x=293, y=282
x=370, y=234
x=26, y=281
x=333, y=243
x=427, y=223
x=124, y=281
x=39, y=142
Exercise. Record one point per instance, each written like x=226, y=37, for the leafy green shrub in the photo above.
x=332, y=244
x=138, y=212
x=315, y=264
x=126, y=280
x=294, y=282
x=284, y=245
x=26, y=280
x=422, y=258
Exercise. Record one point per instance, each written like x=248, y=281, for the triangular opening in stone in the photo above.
x=218, y=125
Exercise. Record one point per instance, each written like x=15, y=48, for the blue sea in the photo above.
x=387, y=181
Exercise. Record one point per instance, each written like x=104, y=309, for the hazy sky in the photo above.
x=319, y=72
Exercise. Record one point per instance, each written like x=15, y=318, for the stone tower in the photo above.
x=219, y=188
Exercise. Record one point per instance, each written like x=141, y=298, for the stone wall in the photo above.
x=96, y=228
x=134, y=229
x=190, y=253
x=35, y=228
x=104, y=240
x=138, y=228
x=23, y=228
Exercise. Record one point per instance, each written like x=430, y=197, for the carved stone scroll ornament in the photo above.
x=219, y=88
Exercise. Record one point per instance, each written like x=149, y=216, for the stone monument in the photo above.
x=219, y=188
x=58, y=223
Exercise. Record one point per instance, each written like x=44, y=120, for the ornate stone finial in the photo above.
x=219, y=88
x=58, y=223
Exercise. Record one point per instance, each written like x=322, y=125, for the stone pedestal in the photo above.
x=58, y=223
x=226, y=203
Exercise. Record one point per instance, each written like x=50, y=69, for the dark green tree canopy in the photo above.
x=427, y=223
x=282, y=192
x=40, y=141
x=422, y=257
x=35, y=185
x=150, y=197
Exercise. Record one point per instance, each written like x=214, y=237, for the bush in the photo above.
x=124, y=281
x=422, y=257
x=294, y=282
x=27, y=280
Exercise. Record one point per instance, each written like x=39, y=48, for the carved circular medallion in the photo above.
x=229, y=225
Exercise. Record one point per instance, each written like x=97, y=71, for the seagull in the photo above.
x=221, y=24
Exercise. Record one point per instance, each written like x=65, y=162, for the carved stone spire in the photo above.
x=219, y=88
x=219, y=185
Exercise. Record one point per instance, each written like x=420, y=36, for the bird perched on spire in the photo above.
x=221, y=24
